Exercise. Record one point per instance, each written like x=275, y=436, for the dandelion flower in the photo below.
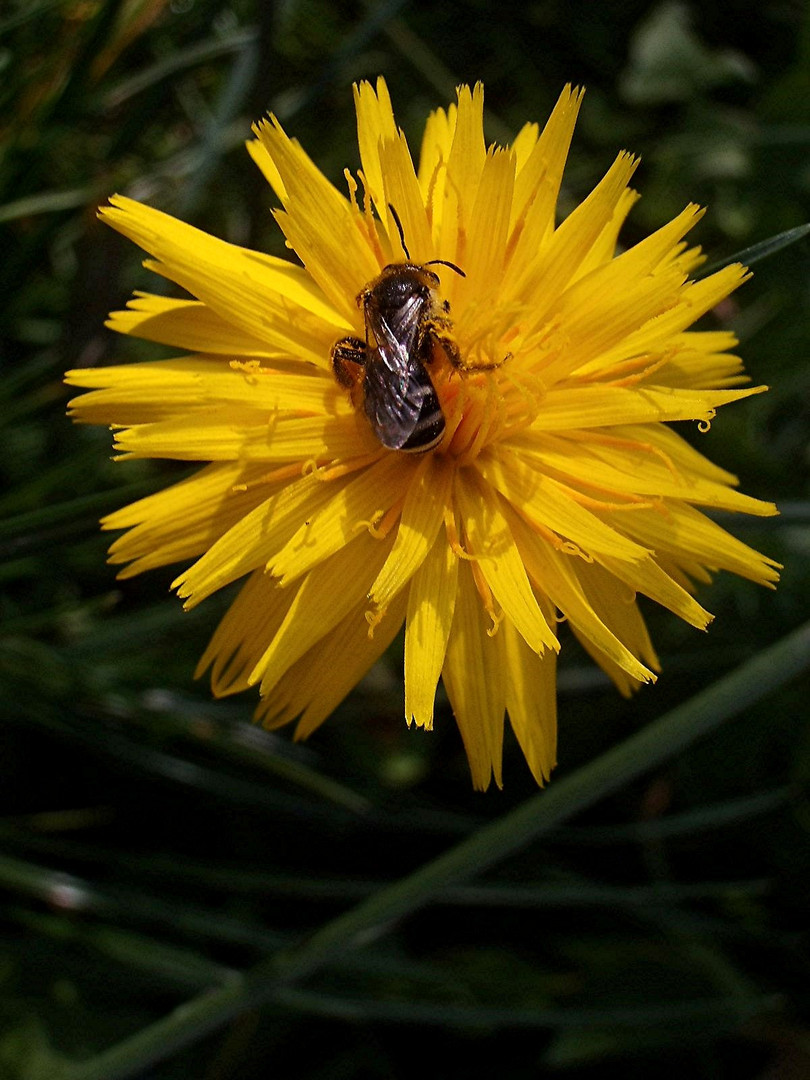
x=555, y=490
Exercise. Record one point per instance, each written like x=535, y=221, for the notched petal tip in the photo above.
x=262, y=158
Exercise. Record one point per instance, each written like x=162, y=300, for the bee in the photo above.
x=405, y=320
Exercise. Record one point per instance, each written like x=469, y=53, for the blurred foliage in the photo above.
x=154, y=843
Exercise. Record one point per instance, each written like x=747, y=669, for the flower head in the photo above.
x=549, y=364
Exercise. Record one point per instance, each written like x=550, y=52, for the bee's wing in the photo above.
x=394, y=390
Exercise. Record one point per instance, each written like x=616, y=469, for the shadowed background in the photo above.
x=151, y=840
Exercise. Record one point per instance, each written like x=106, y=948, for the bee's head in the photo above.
x=400, y=282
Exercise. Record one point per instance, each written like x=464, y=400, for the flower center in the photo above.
x=476, y=412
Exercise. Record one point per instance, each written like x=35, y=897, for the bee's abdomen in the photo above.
x=429, y=426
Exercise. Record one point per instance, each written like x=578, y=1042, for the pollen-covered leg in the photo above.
x=348, y=360
x=447, y=344
x=444, y=341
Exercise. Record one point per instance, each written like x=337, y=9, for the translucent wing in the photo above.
x=396, y=383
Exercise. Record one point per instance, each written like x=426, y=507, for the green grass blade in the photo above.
x=649, y=748
x=763, y=250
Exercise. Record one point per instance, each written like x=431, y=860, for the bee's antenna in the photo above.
x=444, y=262
x=395, y=216
x=433, y=262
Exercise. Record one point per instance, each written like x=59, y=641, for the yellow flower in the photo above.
x=556, y=490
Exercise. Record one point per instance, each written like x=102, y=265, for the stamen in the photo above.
x=374, y=618
x=453, y=409
x=282, y=473
x=626, y=500
x=385, y=524
x=660, y=507
x=351, y=183
x=637, y=377
x=625, y=444
x=343, y=468
x=517, y=230
x=371, y=222
x=568, y=547
x=464, y=432
x=527, y=385
x=487, y=599
x=480, y=414
x=634, y=502
x=461, y=229
x=452, y=536
x=249, y=368
x=440, y=164
x=565, y=547
x=370, y=524
x=490, y=418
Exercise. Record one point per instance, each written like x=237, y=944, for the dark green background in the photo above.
x=196, y=842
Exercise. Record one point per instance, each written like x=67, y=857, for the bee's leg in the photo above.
x=447, y=344
x=438, y=335
x=462, y=365
x=348, y=360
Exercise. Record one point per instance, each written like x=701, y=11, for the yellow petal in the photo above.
x=474, y=676
x=543, y=500
x=657, y=248
x=531, y=701
x=624, y=683
x=540, y=271
x=592, y=405
x=468, y=151
x=696, y=298
x=465, y=163
x=185, y=519
x=559, y=577
x=317, y=683
x=375, y=124
x=633, y=468
x=186, y=324
x=229, y=434
x=358, y=506
x=692, y=362
x=680, y=529
x=255, y=537
x=422, y=515
x=524, y=143
x=160, y=389
x=540, y=175
x=323, y=228
x=662, y=584
x=401, y=190
x=486, y=238
x=603, y=248
x=326, y=595
x=672, y=447
x=261, y=157
x=249, y=625
x=432, y=173
x=268, y=298
x=601, y=311
x=615, y=606
x=431, y=603
x=491, y=542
